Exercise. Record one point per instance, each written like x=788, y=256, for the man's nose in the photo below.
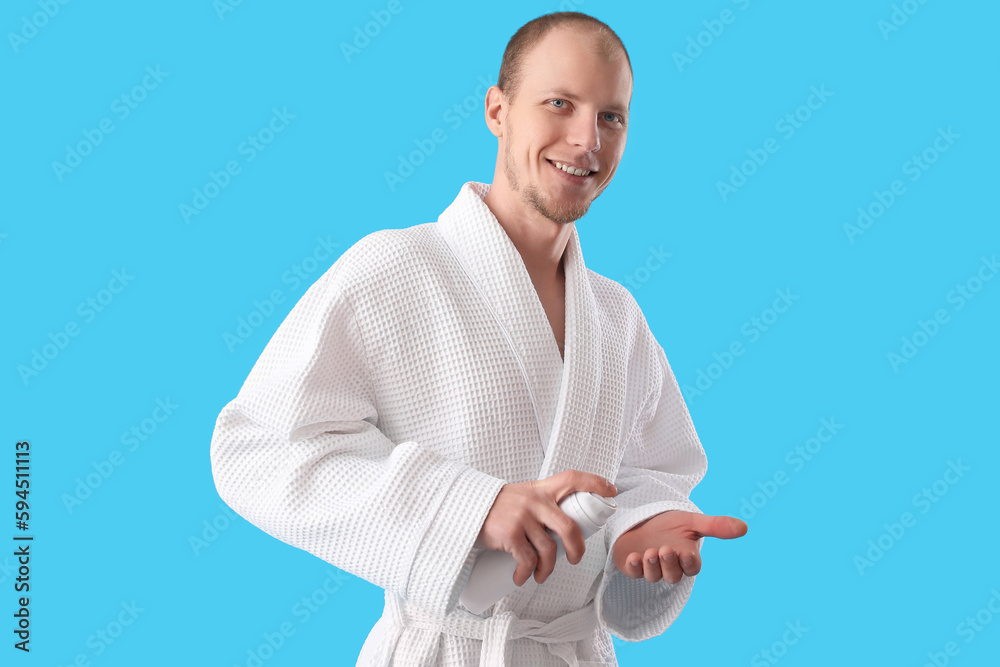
x=584, y=133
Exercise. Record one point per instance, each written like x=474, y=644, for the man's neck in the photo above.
x=540, y=241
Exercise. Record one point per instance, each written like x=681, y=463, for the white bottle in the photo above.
x=493, y=574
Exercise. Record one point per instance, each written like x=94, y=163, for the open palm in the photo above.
x=665, y=546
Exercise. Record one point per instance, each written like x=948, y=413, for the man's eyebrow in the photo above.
x=570, y=96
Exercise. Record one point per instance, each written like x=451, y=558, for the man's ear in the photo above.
x=495, y=109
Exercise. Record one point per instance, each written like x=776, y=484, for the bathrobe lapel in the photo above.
x=573, y=425
x=564, y=393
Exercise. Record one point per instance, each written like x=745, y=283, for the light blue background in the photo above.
x=162, y=336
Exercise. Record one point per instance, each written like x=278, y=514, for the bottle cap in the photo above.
x=595, y=508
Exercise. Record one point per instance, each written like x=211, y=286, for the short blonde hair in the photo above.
x=532, y=32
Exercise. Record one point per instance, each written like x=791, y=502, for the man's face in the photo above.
x=571, y=108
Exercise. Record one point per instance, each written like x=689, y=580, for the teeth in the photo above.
x=572, y=170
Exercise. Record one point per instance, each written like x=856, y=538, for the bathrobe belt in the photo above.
x=497, y=630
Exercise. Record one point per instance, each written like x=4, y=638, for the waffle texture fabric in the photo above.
x=413, y=380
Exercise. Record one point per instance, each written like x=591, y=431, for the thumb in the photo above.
x=722, y=527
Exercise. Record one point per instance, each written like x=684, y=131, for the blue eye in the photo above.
x=561, y=102
x=613, y=117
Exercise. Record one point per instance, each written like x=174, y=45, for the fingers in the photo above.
x=722, y=527
x=674, y=565
x=526, y=558
x=651, y=568
x=664, y=564
x=633, y=565
x=569, y=481
x=545, y=548
x=559, y=486
x=690, y=562
x=522, y=511
x=562, y=525
x=668, y=565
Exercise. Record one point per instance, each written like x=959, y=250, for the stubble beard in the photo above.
x=530, y=194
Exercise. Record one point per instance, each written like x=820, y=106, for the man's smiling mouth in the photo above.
x=569, y=169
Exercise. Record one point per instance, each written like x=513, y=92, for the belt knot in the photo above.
x=499, y=630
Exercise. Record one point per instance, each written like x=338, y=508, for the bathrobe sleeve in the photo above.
x=298, y=453
x=662, y=462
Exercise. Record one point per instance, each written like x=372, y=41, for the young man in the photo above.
x=442, y=387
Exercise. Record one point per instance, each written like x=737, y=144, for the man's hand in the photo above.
x=521, y=513
x=665, y=546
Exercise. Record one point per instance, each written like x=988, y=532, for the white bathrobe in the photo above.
x=416, y=377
